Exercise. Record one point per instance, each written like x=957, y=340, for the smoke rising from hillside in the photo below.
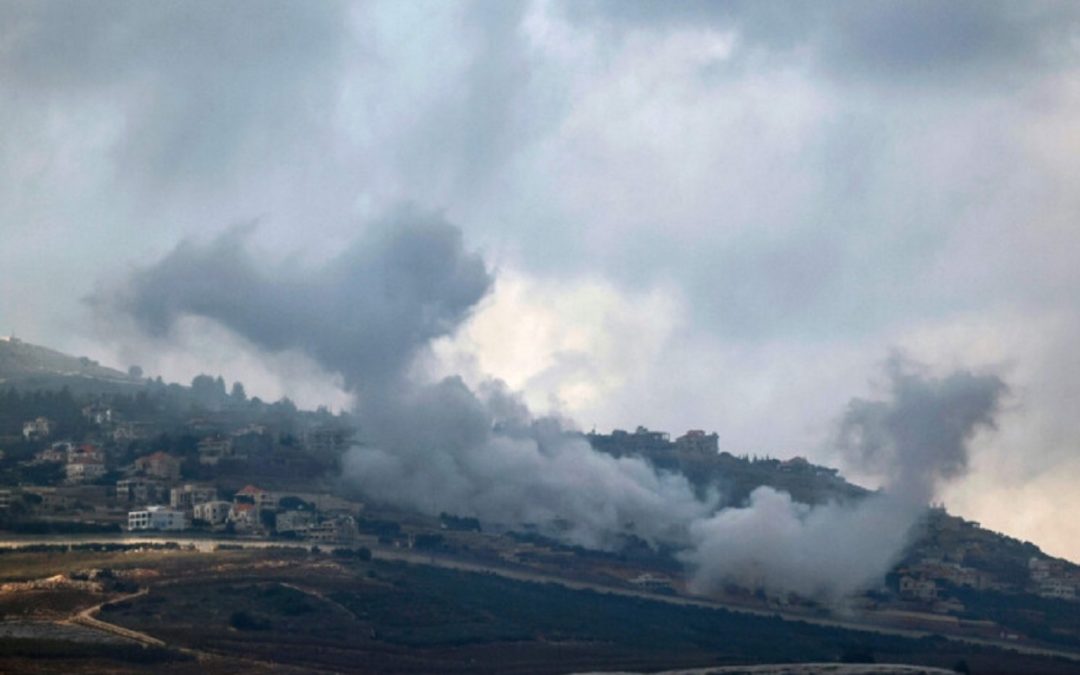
x=920, y=437
x=444, y=447
x=916, y=438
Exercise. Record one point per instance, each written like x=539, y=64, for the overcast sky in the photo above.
x=697, y=214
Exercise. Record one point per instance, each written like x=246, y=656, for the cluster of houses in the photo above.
x=645, y=442
x=153, y=497
x=926, y=581
x=84, y=463
x=1052, y=578
x=251, y=510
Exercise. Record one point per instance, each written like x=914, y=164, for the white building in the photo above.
x=214, y=512
x=156, y=518
x=1061, y=589
x=36, y=429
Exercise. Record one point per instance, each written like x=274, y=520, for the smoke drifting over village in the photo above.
x=440, y=446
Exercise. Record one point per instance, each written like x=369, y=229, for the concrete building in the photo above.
x=98, y=414
x=156, y=518
x=159, y=465
x=328, y=440
x=83, y=470
x=244, y=516
x=336, y=529
x=36, y=429
x=698, y=442
x=85, y=451
x=295, y=521
x=186, y=497
x=139, y=490
x=257, y=496
x=641, y=442
x=57, y=452
x=918, y=589
x=215, y=512
x=213, y=449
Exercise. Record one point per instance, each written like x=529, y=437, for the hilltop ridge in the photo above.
x=34, y=366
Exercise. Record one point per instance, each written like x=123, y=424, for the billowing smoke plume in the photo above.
x=917, y=438
x=365, y=314
x=436, y=447
x=920, y=437
x=443, y=447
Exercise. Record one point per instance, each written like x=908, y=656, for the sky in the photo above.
x=726, y=216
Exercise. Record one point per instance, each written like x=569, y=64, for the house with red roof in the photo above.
x=159, y=465
x=257, y=496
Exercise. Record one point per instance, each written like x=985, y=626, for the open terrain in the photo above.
x=294, y=610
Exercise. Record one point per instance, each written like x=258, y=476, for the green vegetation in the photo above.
x=1047, y=619
x=60, y=649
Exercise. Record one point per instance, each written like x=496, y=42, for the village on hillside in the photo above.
x=80, y=458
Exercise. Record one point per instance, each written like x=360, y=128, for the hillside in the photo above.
x=736, y=476
x=30, y=366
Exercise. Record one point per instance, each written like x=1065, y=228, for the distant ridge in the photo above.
x=21, y=361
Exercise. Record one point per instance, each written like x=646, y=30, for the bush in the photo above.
x=244, y=621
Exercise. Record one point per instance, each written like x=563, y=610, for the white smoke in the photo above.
x=916, y=438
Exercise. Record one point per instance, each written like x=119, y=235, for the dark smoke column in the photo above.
x=365, y=314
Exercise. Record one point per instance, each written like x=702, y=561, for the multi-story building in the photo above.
x=244, y=516
x=257, y=496
x=698, y=442
x=214, y=512
x=139, y=490
x=83, y=470
x=213, y=449
x=185, y=497
x=156, y=518
x=294, y=521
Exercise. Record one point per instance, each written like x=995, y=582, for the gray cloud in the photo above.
x=199, y=82
x=893, y=40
